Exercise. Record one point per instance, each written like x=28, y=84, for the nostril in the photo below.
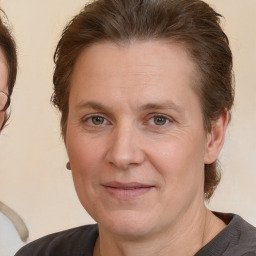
x=125, y=151
x=126, y=159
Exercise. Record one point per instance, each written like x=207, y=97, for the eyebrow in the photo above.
x=149, y=106
x=93, y=105
x=164, y=105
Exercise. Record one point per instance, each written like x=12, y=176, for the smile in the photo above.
x=127, y=191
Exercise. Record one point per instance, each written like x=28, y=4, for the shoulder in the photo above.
x=245, y=236
x=75, y=241
x=238, y=238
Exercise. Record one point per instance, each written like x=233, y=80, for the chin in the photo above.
x=128, y=224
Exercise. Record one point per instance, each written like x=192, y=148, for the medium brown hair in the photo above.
x=8, y=47
x=192, y=24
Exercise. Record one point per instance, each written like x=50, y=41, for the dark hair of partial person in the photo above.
x=193, y=24
x=8, y=47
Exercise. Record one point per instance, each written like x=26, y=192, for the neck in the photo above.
x=186, y=238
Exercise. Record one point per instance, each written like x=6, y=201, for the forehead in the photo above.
x=148, y=61
x=151, y=71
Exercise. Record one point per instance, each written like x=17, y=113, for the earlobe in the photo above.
x=68, y=166
x=216, y=137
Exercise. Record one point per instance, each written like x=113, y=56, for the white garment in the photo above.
x=10, y=241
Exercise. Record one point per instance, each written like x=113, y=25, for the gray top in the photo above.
x=237, y=239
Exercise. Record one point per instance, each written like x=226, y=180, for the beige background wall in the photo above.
x=33, y=177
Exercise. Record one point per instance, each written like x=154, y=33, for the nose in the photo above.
x=125, y=150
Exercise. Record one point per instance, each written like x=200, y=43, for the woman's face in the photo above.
x=3, y=85
x=135, y=137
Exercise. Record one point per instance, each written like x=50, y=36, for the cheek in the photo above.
x=84, y=154
x=85, y=164
x=180, y=161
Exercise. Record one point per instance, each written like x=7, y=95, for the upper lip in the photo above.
x=126, y=185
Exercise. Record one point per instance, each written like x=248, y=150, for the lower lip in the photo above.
x=126, y=194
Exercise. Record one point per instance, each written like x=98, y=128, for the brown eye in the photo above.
x=97, y=120
x=160, y=120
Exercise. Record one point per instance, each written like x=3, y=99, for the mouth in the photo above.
x=126, y=191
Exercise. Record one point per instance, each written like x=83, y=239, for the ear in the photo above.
x=2, y=114
x=68, y=165
x=215, y=138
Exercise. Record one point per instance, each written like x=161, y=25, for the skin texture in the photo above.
x=3, y=81
x=137, y=149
